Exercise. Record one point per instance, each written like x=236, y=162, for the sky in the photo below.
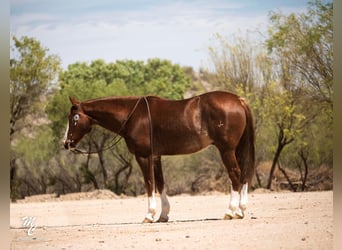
x=180, y=31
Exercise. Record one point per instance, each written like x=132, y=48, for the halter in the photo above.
x=116, y=140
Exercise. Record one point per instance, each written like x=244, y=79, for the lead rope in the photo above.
x=151, y=162
x=115, y=141
x=150, y=122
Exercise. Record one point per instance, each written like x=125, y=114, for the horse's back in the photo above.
x=220, y=98
x=190, y=114
x=211, y=98
x=191, y=124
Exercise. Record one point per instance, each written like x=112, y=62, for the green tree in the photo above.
x=306, y=42
x=33, y=156
x=301, y=47
x=286, y=121
x=165, y=79
x=32, y=73
x=235, y=63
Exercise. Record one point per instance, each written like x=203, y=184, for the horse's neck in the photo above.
x=109, y=113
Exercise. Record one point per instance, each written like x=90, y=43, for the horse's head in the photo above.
x=79, y=124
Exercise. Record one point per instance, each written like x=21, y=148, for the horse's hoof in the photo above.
x=228, y=216
x=238, y=215
x=147, y=220
x=163, y=219
x=234, y=215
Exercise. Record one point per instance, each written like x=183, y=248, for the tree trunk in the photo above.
x=89, y=174
x=282, y=142
x=306, y=168
x=103, y=169
x=43, y=184
x=258, y=177
x=294, y=189
x=78, y=182
x=274, y=163
x=99, y=149
x=119, y=188
x=13, y=180
x=127, y=164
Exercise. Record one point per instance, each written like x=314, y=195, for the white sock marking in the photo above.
x=165, y=205
x=234, y=200
x=151, y=207
x=244, y=197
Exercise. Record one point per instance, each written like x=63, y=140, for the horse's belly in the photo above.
x=182, y=144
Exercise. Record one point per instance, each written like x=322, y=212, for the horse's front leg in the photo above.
x=165, y=205
x=146, y=165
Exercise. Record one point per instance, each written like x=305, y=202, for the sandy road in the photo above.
x=273, y=221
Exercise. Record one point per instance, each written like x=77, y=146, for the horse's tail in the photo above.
x=245, y=151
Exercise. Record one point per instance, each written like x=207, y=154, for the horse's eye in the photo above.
x=76, y=117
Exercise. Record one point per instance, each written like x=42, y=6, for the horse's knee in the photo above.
x=234, y=175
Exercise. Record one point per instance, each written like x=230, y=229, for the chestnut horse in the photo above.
x=153, y=126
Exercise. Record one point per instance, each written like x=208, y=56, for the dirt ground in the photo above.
x=273, y=221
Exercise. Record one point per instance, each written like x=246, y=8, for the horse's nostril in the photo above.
x=66, y=145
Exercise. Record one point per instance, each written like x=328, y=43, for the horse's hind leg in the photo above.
x=165, y=205
x=234, y=172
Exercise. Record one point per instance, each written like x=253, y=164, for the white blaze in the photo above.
x=66, y=133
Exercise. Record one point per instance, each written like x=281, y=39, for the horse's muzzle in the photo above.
x=69, y=144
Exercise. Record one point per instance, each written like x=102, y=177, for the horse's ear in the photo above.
x=73, y=100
